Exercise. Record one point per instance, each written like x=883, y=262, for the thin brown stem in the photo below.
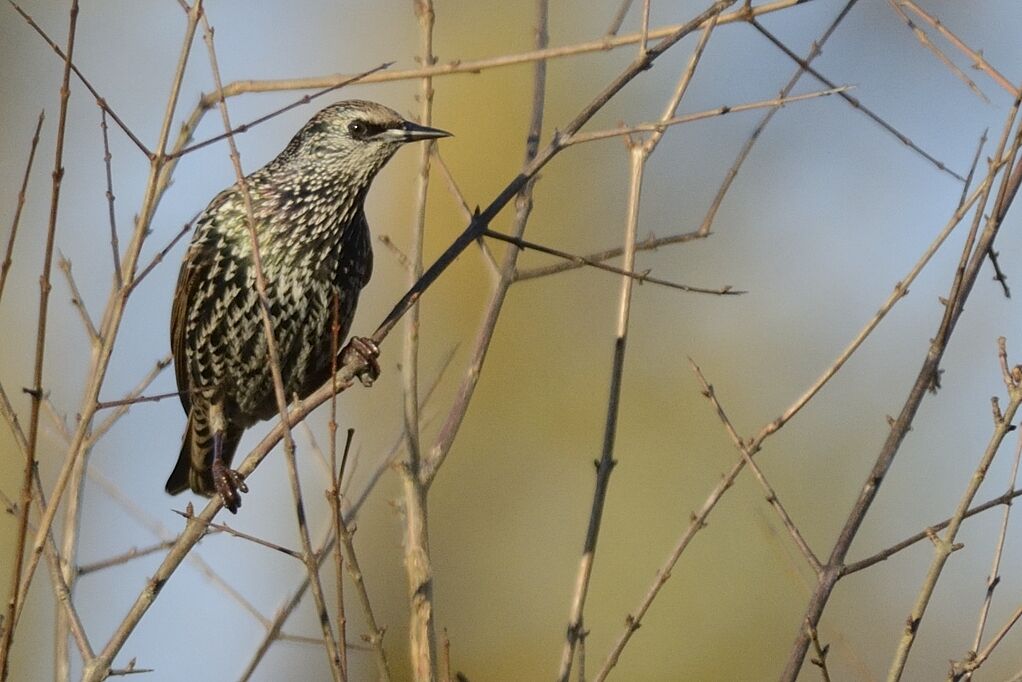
x=995, y=578
x=600, y=44
x=639, y=153
x=107, y=165
x=16, y=599
x=640, y=277
x=944, y=545
x=78, y=302
x=900, y=426
x=308, y=556
x=771, y=495
x=925, y=41
x=750, y=142
x=925, y=534
x=100, y=100
x=109, y=328
x=975, y=56
x=418, y=563
x=901, y=137
x=19, y=205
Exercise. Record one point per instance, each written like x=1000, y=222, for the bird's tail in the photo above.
x=194, y=464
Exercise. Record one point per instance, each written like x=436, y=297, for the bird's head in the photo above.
x=355, y=137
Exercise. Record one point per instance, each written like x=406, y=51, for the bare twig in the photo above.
x=78, y=302
x=640, y=277
x=944, y=545
x=107, y=164
x=657, y=126
x=743, y=450
x=123, y=558
x=100, y=100
x=750, y=142
x=925, y=534
x=901, y=137
x=619, y=17
x=925, y=41
x=650, y=243
x=994, y=578
x=19, y=205
x=336, y=477
x=639, y=153
x=223, y=527
x=977, y=58
x=900, y=426
x=600, y=44
x=418, y=563
x=16, y=598
x=209, y=101
x=308, y=556
x=110, y=326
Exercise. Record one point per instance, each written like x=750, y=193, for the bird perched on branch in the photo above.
x=316, y=253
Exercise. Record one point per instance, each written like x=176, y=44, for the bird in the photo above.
x=307, y=206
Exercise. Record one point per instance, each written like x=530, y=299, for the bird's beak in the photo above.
x=411, y=132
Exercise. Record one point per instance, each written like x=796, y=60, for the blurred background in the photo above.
x=827, y=214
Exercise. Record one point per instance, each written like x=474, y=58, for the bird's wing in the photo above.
x=193, y=273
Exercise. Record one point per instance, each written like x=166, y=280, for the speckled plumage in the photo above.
x=314, y=244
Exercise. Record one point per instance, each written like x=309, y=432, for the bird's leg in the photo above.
x=365, y=352
x=229, y=483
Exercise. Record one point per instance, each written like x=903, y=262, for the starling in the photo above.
x=316, y=254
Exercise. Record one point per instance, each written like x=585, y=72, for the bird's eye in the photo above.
x=358, y=129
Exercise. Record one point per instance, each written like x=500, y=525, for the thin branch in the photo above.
x=16, y=599
x=466, y=212
x=189, y=513
x=130, y=399
x=418, y=563
x=162, y=253
x=308, y=557
x=650, y=243
x=336, y=476
x=640, y=277
x=107, y=164
x=208, y=103
x=78, y=302
x=855, y=102
x=100, y=100
x=122, y=558
x=958, y=670
x=926, y=533
x=600, y=44
x=994, y=578
x=619, y=17
x=977, y=58
x=944, y=545
x=659, y=126
x=732, y=173
x=743, y=450
x=925, y=41
x=638, y=155
x=19, y=205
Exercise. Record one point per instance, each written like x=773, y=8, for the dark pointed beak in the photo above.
x=412, y=132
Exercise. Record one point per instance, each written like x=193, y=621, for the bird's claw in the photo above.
x=366, y=353
x=229, y=485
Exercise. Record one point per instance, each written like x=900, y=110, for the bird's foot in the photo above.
x=365, y=353
x=229, y=485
